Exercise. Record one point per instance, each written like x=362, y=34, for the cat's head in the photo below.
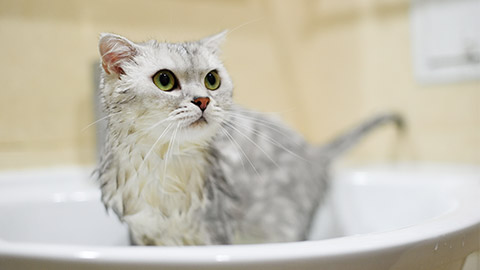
x=165, y=88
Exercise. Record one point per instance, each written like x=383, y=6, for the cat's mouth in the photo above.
x=199, y=122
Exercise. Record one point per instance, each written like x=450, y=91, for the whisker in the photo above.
x=254, y=143
x=169, y=149
x=243, y=25
x=272, y=141
x=175, y=140
x=270, y=124
x=234, y=143
x=153, y=146
x=99, y=120
x=264, y=123
x=157, y=124
x=240, y=148
x=278, y=113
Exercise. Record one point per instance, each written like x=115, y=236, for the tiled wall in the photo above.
x=323, y=65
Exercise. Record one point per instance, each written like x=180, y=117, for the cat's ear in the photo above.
x=213, y=43
x=115, y=50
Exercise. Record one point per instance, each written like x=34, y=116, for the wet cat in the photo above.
x=184, y=165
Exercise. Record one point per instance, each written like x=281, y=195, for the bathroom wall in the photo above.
x=321, y=65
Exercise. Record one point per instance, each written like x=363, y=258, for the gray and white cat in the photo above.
x=184, y=165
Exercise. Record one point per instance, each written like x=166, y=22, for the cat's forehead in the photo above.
x=180, y=56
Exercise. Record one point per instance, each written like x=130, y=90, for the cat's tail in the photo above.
x=350, y=138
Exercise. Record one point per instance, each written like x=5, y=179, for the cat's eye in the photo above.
x=165, y=80
x=212, y=80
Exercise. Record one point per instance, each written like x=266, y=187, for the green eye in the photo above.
x=165, y=80
x=212, y=80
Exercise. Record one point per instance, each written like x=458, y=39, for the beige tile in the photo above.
x=323, y=65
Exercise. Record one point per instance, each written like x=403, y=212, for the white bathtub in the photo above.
x=416, y=216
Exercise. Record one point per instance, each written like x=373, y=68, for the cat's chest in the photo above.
x=166, y=180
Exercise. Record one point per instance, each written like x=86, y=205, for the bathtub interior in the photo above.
x=62, y=205
x=56, y=206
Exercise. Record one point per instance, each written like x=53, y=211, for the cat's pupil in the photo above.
x=211, y=79
x=164, y=79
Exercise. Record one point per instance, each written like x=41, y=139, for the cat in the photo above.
x=184, y=165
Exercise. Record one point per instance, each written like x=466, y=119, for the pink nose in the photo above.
x=201, y=102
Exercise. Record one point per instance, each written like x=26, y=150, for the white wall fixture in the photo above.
x=446, y=40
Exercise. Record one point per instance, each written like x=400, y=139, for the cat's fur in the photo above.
x=237, y=176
